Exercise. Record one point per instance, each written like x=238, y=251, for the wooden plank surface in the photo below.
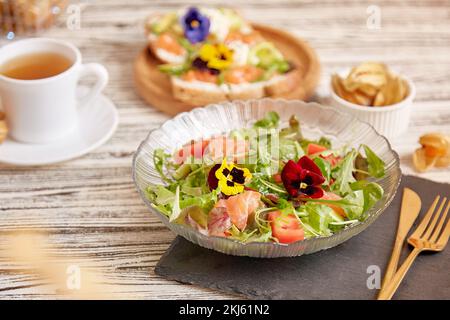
x=88, y=208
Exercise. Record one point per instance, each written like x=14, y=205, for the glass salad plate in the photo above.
x=315, y=120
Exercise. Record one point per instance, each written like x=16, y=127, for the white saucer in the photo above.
x=96, y=124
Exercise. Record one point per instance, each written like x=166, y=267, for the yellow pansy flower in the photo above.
x=231, y=178
x=217, y=56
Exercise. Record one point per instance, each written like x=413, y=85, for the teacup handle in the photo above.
x=102, y=76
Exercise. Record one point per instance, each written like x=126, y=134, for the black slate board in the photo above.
x=337, y=273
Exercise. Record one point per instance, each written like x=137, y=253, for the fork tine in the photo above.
x=437, y=231
x=423, y=224
x=443, y=239
x=433, y=222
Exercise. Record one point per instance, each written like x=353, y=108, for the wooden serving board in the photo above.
x=155, y=87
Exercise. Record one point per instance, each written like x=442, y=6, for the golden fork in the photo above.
x=426, y=237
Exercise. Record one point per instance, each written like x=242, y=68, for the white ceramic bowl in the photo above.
x=390, y=121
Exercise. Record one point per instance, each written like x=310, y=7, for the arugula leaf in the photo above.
x=270, y=121
x=372, y=192
x=343, y=174
x=286, y=207
x=375, y=164
x=319, y=217
x=325, y=168
x=261, y=237
x=325, y=142
x=272, y=186
x=356, y=207
x=290, y=149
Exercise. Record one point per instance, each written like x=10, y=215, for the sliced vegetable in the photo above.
x=285, y=228
x=264, y=55
x=173, y=69
x=315, y=148
x=194, y=149
x=336, y=208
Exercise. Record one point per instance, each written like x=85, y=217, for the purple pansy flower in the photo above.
x=195, y=25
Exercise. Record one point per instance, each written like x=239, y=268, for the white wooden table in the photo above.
x=88, y=208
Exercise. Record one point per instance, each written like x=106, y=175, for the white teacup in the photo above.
x=45, y=110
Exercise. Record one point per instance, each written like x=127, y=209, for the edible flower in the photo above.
x=217, y=56
x=195, y=25
x=228, y=177
x=303, y=178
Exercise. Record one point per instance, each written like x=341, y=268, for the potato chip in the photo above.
x=368, y=89
x=362, y=99
x=371, y=84
x=379, y=99
x=339, y=88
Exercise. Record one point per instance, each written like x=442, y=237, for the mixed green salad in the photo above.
x=267, y=184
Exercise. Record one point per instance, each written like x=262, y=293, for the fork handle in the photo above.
x=388, y=291
x=393, y=263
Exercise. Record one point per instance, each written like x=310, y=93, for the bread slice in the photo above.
x=198, y=93
x=202, y=93
x=281, y=84
x=245, y=91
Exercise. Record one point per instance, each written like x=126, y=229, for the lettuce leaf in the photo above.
x=176, y=210
x=160, y=160
x=163, y=195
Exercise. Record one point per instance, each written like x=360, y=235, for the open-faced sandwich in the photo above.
x=214, y=55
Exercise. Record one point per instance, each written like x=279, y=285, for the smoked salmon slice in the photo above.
x=240, y=207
